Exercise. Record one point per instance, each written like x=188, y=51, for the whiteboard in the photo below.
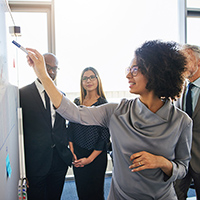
x=9, y=151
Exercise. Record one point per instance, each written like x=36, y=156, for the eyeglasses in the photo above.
x=54, y=69
x=92, y=78
x=133, y=69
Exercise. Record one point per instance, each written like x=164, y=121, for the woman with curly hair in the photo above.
x=151, y=138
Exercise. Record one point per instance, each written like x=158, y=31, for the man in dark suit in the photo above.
x=47, y=156
x=190, y=102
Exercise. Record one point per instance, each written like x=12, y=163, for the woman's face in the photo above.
x=89, y=81
x=137, y=83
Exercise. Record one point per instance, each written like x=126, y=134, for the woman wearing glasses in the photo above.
x=88, y=144
x=151, y=138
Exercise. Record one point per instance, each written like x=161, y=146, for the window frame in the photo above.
x=192, y=13
x=42, y=7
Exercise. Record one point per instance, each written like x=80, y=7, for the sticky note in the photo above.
x=8, y=167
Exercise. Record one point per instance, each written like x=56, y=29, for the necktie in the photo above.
x=47, y=100
x=189, y=100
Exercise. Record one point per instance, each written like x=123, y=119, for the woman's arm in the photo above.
x=85, y=161
x=174, y=169
x=68, y=110
x=36, y=60
x=72, y=150
x=144, y=160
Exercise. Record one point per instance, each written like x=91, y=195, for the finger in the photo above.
x=32, y=57
x=77, y=161
x=138, y=169
x=74, y=156
x=30, y=62
x=76, y=164
x=136, y=164
x=35, y=52
x=35, y=56
x=135, y=156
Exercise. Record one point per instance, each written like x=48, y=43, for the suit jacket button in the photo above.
x=53, y=145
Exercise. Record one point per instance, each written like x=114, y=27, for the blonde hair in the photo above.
x=100, y=91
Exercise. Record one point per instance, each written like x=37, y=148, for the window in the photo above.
x=35, y=22
x=193, y=4
x=193, y=29
x=193, y=22
x=104, y=34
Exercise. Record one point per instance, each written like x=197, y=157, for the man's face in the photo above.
x=51, y=66
x=52, y=71
x=192, y=64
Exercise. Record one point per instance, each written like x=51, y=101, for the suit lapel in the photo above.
x=196, y=110
x=180, y=102
x=37, y=97
x=56, y=118
x=39, y=102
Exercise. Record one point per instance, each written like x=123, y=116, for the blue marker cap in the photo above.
x=17, y=44
x=20, y=46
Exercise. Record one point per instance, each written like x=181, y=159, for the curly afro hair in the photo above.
x=163, y=64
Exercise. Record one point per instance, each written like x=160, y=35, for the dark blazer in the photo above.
x=39, y=137
x=195, y=152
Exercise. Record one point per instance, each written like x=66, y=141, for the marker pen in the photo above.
x=19, y=46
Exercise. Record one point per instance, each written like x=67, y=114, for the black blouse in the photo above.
x=89, y=137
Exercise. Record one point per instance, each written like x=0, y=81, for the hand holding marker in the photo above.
x=19, y=46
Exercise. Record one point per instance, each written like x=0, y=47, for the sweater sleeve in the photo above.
x=95, y=115
x=183, y=154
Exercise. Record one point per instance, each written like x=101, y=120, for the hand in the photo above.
x=74, y=157
x=36, y=60
x=81, y=162
x=144, y=160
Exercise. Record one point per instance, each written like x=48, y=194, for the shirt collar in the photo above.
x=39, y=86
x=197, y=82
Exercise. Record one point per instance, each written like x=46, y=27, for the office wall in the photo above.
x=9, y=153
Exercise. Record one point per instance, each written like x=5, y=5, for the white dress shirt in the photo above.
x=41, y=90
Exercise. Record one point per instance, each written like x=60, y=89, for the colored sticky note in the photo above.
x=8, y=167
